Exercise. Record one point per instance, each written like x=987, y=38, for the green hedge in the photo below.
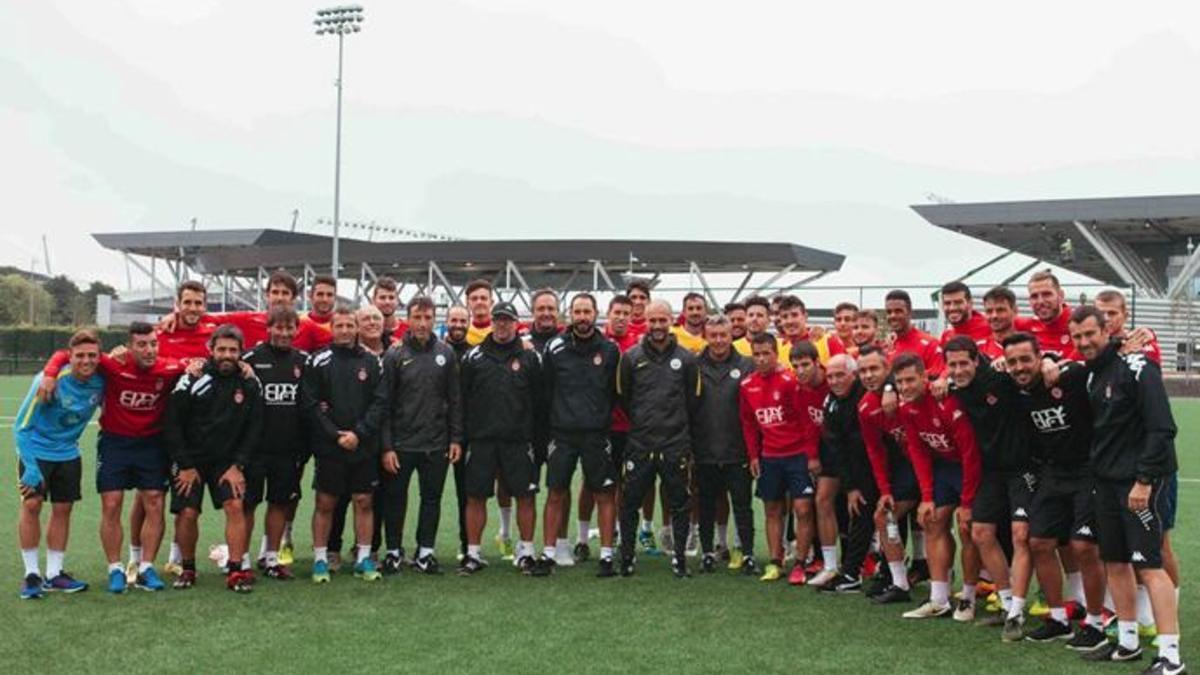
x=23, y=348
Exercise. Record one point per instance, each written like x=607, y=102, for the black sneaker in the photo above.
x=679, y=567
x=526, y=564
x=1161, y=666
x=582, y=552
x=404, y=560
x=1110, y=651
x=918, y=572
x=544, y=566
x=708, y=564
x=1049, y=630
x=470, y=565
x=750, y=567
x=627, y=567
x=427, y=565
x=606, y=568
x=1087, y=638
x=879, y=582
x=842, y=583
x=392, y=564
x=891, y=595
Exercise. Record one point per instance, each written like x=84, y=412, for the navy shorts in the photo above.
x=1170, y=502
x=130, y=463
x=947, y=483
x=781, y=476
x=904, y=483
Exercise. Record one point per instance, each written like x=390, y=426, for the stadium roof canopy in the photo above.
x=521, y=264
x=1126, y=241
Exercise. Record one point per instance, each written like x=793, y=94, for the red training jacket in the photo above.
x=922, y=344
x=774, y=421
x=875, y=424
x=940, y=429
x=134, y=399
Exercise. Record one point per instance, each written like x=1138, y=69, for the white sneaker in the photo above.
x=823, y=577
x=219, y=554
x=928, y=611
x=693, y=543
x=563, y=557
x=965, y=611
x=131, y=572
x=593, y=533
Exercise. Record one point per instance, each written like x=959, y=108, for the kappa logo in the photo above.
x=1020, y=513
x=607, y=482
x=808, y=490
x=1084, y=531
x=1137, y=556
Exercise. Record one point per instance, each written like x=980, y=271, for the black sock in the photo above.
x=189, y=565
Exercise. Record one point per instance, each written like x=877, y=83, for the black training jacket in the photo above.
x=659, y=391
x=422, y=392
x=718, y=424
x=579, y=377
x=501, y=390
x=1002, y=426
x=280, y=372
x=213, y=418
x=1062, y=420
x=338, y=393
x=1134, y=428
x=841, y=429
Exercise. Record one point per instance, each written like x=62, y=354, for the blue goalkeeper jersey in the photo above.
x=51, y=431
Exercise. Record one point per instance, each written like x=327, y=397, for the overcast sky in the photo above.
x=812, y=123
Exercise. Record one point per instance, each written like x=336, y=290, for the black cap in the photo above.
x=504, y=309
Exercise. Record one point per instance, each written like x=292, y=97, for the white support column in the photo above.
x=775, y=277
x=1186, y=275
x=694, y=269
x=1121, y=259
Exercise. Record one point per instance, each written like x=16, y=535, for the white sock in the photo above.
x=262, y=547
x=1108, y=602
x=899, y=574
x=830, y=554
x=1017, y=609
x=1145, y=615
x=581, y=536
x=135, y=555
x=272, y=558
x=1058, y=614
x=606, y=553
x=54, y=563
x=246, y=563
x=321, y=554
x=1073, y=588
x=985, y=575
x=30, y=556
x=115, y=567
x=395, y=552
x=473, y=551
x=176, y=555
x=1127, y=635
x=506, y=522
x=918, y=544
x=939, y=593
x=524, y=548
x=723, y=534
x=1095, y=621
x=549, y=551
x=647, y=526
x=563, y=545
x=143, y=566
x=968, y=593
x=1006, y=598
x=364, y=552
x=1168, y=648
x=422, y=552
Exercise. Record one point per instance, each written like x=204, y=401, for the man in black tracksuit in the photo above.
x=1132, y=454
x=842, y=431
x=338, y=400
x=659, y=386
x=720, y=448
x=273, y=473
x=425, y=430
x=501, y=390
x=211, y=430
x=458, y=319
x=1008, y=481
x=579, y=371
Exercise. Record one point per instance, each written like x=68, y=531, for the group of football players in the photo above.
x=1037, y=445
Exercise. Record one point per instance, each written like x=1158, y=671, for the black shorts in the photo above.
x=1125, y=536
x=1170, y=502
x=131, y=463
x=593, y=451
x=338, y=476
x=947, y=483
x=274, y=478
x=1062, y=508
x=1004, y=496
x=618, y=440
x=512, y=461
x=210, y=475
x=830, y=464
x=60, y=480
x=904, y=483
